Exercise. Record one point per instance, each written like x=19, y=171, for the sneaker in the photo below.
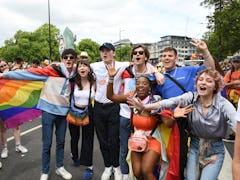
x=76, y=162
x=117, y=173
x=4, y=153
x=44, y=177
x=63, y=172
x=20, y=148
x=0, y=165
x=88, y=174
x=106, y=173
x=231, y=138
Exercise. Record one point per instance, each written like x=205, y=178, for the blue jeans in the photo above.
x=48, y=122
x=124, y=133
x=210, y=171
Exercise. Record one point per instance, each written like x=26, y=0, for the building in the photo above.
x=180, y=43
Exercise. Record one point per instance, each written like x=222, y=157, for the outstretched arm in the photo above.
x=202, y=46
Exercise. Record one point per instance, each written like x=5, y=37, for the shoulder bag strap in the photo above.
x=176, y=82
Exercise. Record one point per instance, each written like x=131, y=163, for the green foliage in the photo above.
x=91, y=47
x=123, y=53
x=224, y=36
x=31, y=45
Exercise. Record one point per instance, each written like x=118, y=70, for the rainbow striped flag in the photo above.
x=18, y=100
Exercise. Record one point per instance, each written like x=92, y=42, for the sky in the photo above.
x=140, y=21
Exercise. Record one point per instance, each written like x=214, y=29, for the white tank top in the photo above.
x=81, y=96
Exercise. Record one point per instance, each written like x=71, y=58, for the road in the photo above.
x=27, y=166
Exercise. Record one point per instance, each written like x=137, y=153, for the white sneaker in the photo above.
x=117, y=173
x=20, y=148
x=4, y=153
x=44, y=177
x=0, y=165
x=126, y=177
x=106, y=173
x=63, y=172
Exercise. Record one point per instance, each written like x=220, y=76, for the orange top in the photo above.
x=143, y=122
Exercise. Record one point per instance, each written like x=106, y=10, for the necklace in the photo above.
x=206, y=105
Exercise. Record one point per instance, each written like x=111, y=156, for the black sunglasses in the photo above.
x=3, y=65
x=68, y=57
x=138, y=52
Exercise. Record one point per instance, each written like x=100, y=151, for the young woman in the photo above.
x=84, y=91
x=211, y=113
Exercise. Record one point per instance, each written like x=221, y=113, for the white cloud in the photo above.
x=139, y=20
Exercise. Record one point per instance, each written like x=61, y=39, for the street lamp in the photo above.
x=49, y=32
x=120, y=44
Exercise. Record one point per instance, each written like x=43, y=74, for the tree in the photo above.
x=224, y=36
x=123, y=53
x=31, y=45
x=91, y=47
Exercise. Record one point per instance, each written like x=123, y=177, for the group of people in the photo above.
x=132, y=99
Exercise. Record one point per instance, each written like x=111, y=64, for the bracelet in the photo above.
x=110, y=80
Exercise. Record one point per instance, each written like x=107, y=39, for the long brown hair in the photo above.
x=90, y=76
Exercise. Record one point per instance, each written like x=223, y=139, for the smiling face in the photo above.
x=169, y=59
x=69, y=61
x=206, y=85
x=107, y=55
x=83, y=69
x=139, y=56
x=142, y=87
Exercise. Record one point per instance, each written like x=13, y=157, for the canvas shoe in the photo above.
x=63, y=172
x=44, y=177
x=117, y=173
x=4, y=153
x=20, y=148
x=106, y=173
x=88, y=174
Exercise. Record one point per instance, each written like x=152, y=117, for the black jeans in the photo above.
x=106, y=121
x=86, y=154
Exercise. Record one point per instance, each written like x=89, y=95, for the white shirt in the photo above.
x=81, y=97
x=101, y=73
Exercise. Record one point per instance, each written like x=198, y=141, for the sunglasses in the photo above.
x=138, y=52
x=3, y=65
x=68, y=57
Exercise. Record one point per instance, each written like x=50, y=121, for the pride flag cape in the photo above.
x=18, y=100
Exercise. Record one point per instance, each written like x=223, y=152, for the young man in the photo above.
x=106, y=113
x=186, y=77
x=54, y=103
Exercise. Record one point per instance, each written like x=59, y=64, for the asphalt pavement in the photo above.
x=28, y=166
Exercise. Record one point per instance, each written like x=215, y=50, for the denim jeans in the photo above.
x=210, y=171
x=48, y=122
x=124, y=133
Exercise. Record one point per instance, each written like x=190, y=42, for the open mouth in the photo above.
x=138, y=59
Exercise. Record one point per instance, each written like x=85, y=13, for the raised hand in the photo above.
x=182, y=112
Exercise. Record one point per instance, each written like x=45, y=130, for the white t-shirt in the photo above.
x=101, y=74
x=81, y=97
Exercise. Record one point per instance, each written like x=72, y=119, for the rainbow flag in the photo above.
x=18, y=100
